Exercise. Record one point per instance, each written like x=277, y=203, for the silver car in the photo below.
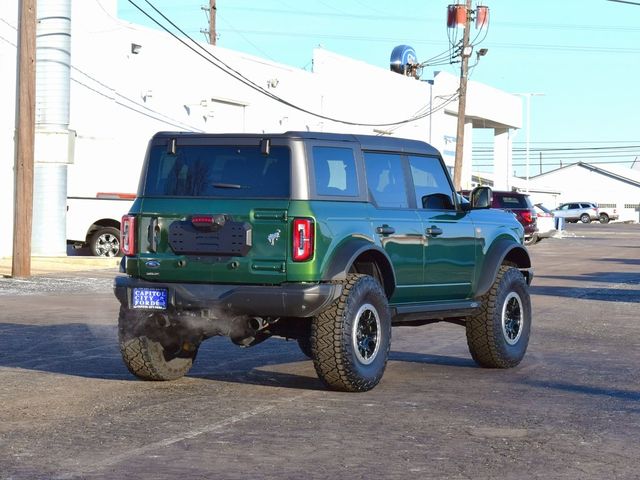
x=574, y=211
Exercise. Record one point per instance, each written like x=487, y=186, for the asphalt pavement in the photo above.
x=69, y=409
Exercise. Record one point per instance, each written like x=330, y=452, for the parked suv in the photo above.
x=324, y=238
x=519, y=204
x=574, y=211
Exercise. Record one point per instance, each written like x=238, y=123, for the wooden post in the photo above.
x=212, y=22
x=24, y=139
x=462, y=100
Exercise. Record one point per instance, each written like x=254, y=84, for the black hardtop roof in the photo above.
x=368, y=142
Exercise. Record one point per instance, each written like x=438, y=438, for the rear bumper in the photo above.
x=287, y=300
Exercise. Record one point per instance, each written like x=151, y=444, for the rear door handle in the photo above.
x=385, y=230
x=433, y=231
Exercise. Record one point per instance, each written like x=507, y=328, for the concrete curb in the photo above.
x=44, y=265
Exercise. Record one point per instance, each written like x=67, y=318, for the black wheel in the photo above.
x=153, y=352
x=498, y=336
x=604, y=218
x=105, y=242
x=350, y=340
x=531, y=240
x=585, y=218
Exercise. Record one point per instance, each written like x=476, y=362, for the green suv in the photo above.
x=328, y=239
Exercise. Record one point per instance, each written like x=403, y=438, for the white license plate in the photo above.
x=149, y=298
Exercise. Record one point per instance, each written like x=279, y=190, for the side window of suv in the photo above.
x=386, y=180
x=432, y=189
x=335, y=171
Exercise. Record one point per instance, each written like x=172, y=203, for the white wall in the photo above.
x=8, y=41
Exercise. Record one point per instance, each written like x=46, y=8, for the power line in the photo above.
x=552, y=164
x=577, y=149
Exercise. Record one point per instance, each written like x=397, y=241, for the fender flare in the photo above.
x=501, y=250
x=345, y=256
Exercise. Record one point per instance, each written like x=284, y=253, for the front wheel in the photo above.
x=350, y=340
x=151, y=351
x=499, y=334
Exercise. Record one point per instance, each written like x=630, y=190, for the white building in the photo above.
x=611, y=187
x=128, y=82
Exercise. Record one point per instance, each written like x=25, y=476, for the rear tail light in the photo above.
x=527, y=216
x=303, y=233
x=128, y=235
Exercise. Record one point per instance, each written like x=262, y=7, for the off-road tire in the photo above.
x=499, y=334
x=361, y=312
x=147, y=354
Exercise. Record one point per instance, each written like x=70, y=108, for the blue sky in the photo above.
x=583, y=55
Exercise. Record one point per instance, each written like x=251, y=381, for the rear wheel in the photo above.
x=350, y=340
x=585, y=218
x=498, y=336
x=531, y=240
x=604, y=218
x=105, y=242
x=152, y=352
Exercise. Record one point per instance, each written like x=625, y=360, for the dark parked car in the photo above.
x=520, y=205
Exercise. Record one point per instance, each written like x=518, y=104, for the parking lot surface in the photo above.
x=69, y=409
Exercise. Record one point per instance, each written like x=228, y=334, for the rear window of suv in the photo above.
x=218, y=171
x=512, y=201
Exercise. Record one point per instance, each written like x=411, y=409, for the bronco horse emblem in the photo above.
x=272, y=237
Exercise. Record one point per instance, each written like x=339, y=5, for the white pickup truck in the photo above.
x=94, y=222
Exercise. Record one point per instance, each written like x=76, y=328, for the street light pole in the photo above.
x=528, y=96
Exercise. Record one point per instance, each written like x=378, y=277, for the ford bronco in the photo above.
x=328, y=239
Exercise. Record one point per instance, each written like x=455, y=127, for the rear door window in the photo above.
x=386, y=179
x=335, y=171
x=218, y=171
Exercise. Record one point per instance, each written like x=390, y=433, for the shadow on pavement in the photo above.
x=92, y=351
x=588, y=293
x=587, y=390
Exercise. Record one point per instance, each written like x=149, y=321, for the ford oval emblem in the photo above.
x=152, y=264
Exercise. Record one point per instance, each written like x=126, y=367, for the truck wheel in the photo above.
x=498, y=336
x=604, y=218
x=151, y=355
x=350, y=340
x=585, y=218
x=105, y=242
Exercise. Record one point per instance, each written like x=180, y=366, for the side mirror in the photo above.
x=481, y=197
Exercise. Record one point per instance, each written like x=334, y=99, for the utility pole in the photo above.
x=25, y=139
x=212, y=22
x=462, y=99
